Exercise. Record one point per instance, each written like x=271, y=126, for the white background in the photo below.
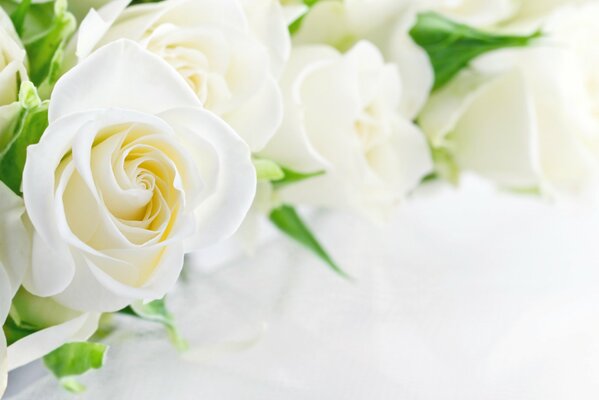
x=468, y=294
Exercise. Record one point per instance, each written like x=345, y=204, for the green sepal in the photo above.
x=156, y=311
x=45, y=50
x=291, y=176
x=30, y=124
x=74, y=359
x=451, y=46
x=267, y=170
x=288, y=221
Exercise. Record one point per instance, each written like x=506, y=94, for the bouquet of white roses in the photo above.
x=135, y=132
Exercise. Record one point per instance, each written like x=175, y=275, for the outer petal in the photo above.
x=415, y=69
x=37, y=345
x=121, y=74
x=15, y=240
x=93, y=289
x=251, y=121
x=268, y=22
x=220, y=214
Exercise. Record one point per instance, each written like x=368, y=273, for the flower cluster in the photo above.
x=135, y=132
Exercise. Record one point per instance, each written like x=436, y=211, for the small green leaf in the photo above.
x=73, y=359
x=42, y=48
x=267, y=170
x=291, y=176
x=156, y=311
x=287, y=220
x=452, y=46
x=31, y=124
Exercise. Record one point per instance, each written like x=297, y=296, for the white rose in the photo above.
x=130, y=173
x=230, y=53
x=385, y=23
x=528, y=118
x=342, y=115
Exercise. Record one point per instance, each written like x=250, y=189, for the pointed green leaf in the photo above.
x=291, y=176
x=289, y=222
x=452, y=46
x=156, y=311
x=73, y=359
x=29, y=126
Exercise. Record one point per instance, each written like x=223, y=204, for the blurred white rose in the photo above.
x=342, y=116
x=130, y=174
x=230, y=52
x=529, y=118
x=386, y=24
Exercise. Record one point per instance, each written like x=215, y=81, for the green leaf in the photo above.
x=73, y=359
x=156, y=311
x=267, y=170
x=291, y=176
x=452, y=46
x=30, y=125
x=45, y=49
x=287, y=220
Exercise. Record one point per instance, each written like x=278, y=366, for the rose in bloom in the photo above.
x=130, y=173
x=528, y=118
x=342, y=116
x=386, y=24
x=230, y=52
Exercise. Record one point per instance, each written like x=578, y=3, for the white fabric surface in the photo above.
x=469, y=294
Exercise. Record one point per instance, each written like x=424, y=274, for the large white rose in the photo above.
x=342, y=116
x=130, y=173
x=529, y=118
x=230, y=52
